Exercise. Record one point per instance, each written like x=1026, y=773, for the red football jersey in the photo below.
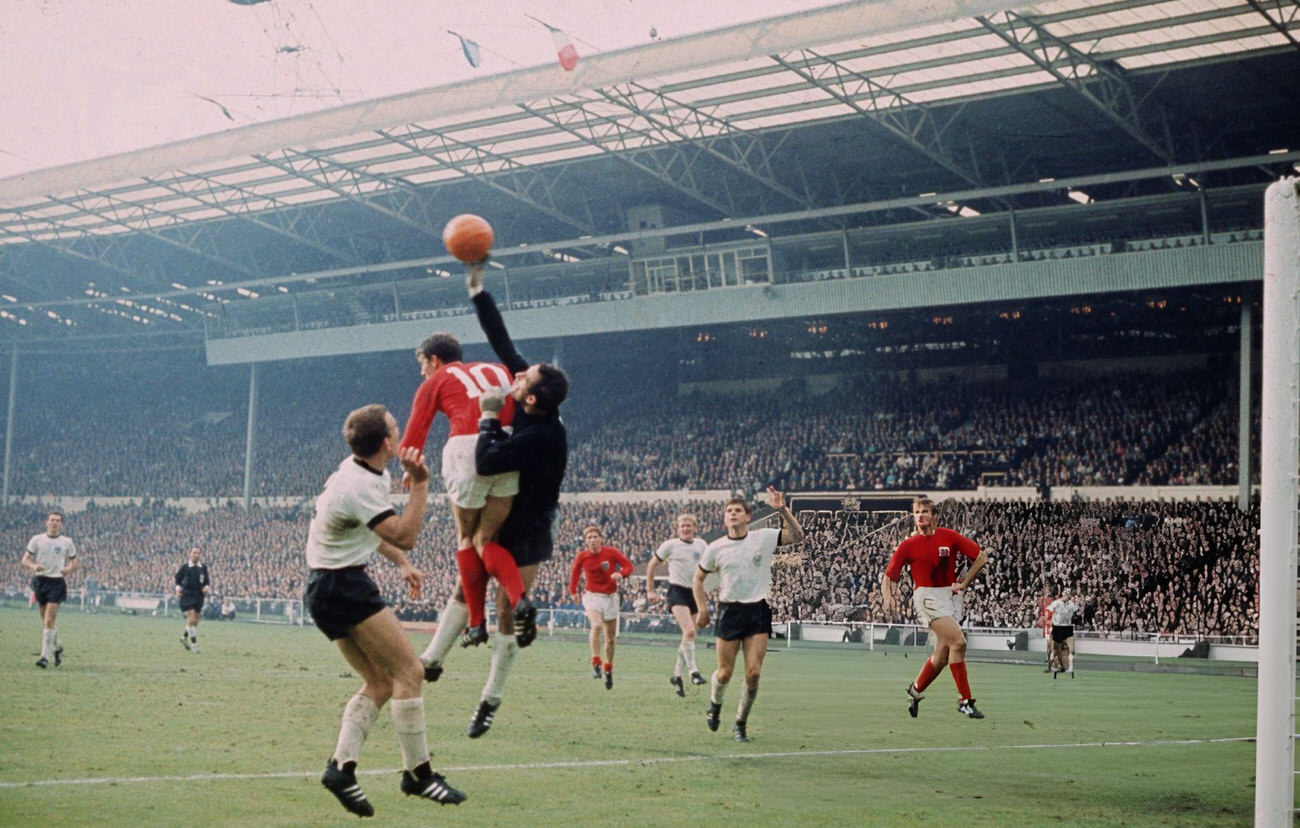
x=454, y=390
x=599, y=568
x=932, y=558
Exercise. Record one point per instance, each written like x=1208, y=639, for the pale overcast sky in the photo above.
x=87, y=78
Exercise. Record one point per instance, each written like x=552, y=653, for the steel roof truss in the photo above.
x=532, y=186
x=1100, y=84
x=193, y=236
x=917, y=125
x=357, y=186
x=667, y=161
x=1281, y=15
x=232, y=199
x=739, y=149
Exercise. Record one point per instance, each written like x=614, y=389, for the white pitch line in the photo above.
x=602, y=763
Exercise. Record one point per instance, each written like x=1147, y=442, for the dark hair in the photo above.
x=54, y=512
x=444, y=346
x=366, y=429
x=551, y=388
x=744, y=504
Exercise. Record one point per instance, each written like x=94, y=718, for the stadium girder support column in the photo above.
x=249, y=441
x=9, y=420
x=1243, y=408
x=1279, y=470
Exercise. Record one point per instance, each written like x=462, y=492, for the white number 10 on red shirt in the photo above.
x=480, y=377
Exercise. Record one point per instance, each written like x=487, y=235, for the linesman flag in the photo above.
x=564, y=49
x=469, y=48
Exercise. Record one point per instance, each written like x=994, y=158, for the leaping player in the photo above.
x=479, y=503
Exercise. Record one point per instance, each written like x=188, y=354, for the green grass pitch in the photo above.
x=134, y=730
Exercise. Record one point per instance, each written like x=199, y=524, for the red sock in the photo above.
x=501, y=565
x=959, y=678
x=595, y=661
x=927, y=674
x=473, y=582
x=609, y=666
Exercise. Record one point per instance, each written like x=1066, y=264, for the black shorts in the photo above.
x=738, y=621
x=50, y=590
x=191, y=601
x=339, y=599
x=1062, y=634
x=679, y=595
x=528, y=548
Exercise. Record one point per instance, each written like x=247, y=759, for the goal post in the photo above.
x=1279, y=472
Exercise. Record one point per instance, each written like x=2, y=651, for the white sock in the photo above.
x=689, y=655
x=746, y=702
x=47, y=644
x=504, y=650
x=453, y=619
x=680, y=662
x=716, y=689
x=408, y=721
x=358, y=716
x=189, y=631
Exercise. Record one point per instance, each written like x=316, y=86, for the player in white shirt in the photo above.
x=1062, y=612
x=743, y=559
x=353, y=520
x=51, y=556
x=682, y=554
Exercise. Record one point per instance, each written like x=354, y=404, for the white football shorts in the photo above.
x=603, y=603
x=465, y=487
x=930, y=603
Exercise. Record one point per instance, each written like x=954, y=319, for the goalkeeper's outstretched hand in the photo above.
x=474, y=277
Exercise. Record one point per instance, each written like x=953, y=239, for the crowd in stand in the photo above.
x=1171, y=567
x=1120, y=429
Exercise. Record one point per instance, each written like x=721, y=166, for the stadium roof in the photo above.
x=824, y=119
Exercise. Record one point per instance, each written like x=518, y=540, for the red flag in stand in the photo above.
x=564, y=48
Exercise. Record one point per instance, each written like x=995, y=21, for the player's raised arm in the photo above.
x=791, y=531
x=403, y=530
x=494, y=327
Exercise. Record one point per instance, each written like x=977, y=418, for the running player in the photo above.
x=682, y=554
x=1062, y=612
x=192, y=584
x=604, y=567
x=743, y=558
x=51, y=556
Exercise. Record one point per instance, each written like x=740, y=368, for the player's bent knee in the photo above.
x=409, y=677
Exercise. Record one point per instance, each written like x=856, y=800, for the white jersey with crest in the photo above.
x=355, y=498
x=1063, y=612
x=745, y=565
x=682, y=558
x=51, y=554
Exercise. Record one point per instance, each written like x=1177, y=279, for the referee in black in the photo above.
x=192, y=584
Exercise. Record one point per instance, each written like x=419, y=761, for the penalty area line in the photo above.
x=610, y=763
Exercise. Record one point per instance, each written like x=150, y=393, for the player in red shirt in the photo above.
x=604, y=567
x=931, y=555
x=479, y=503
